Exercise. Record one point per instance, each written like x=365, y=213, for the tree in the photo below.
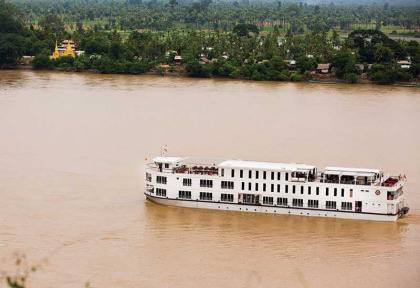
x=173, y=3
x=245, y=29
x=12, y=47
x=197, y=70
x=52, y=24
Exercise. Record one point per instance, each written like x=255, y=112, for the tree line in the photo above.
x=241, y=53
x=160, y=15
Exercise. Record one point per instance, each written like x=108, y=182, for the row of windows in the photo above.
x=311, y=203
x=205, y=196
x=254, y=199
x=257, y=174
x=273, y=187
x=286, y=188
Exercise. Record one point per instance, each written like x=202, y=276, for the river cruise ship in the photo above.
x=279, y=188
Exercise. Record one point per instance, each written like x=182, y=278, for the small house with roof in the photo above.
x=323, y=68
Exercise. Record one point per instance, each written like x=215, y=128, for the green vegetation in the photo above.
x=160, y=15
x=244, y=52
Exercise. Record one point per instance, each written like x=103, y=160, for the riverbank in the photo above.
x=179, y=71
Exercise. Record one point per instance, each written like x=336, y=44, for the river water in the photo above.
x=72, y=159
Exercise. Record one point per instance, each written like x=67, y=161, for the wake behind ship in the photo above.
x=280, y=188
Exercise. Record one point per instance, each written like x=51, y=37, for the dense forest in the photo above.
x=245, y=50
x=160, y=15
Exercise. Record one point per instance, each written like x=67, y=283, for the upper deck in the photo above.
x=298, y=172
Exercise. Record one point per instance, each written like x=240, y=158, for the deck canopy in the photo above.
x=254, y=165
x=356, y=172
x=169, y=160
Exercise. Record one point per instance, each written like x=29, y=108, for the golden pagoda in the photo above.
x=68, y=51
x=55, y=54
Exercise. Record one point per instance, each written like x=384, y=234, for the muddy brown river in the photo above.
x=72, y=158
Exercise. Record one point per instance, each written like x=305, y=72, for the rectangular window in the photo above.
x=232, y=173
x=184, y=195
x=206, y=196
x=331, y=205
x=313, y=203
x=287, y=189
x=327, y=191
x=342, y=192
x=265, y=175
x=160, y=192
x=243, y=185
x=250, y=199
x=335, y=192
x=256, y=186
x=287, y=176
x=166, y=165
x=257, y=174
x=249, y=186
x=317, y=190
x=294, y=189
x=351, y=193
x=268, y=200
x=223, y=173
x=264, y=187
x=309, y=190
x=297, y=202
x=282, y=201
x=227, y=184
x=161, y=179
x=206, y=183
x=278, y=188
x=272, y=187
x=272, y=175
x=301, y=189
x=186, y=182
x=226, y=197
x=148, y=177
x=278, y=176
x=347, y=206
x=250, y=174
x=241, y=173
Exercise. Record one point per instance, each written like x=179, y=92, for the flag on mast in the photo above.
x=165, y=150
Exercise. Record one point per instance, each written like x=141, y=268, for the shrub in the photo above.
x=295, y=77
x=79, y=66
x=351, y=78
x=42, y=61
x=65, y=67
x=197, y=70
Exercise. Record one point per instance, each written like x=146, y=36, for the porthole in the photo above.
x=289, y=212
x=246, y=209
x=255, y=209
x=240, y=208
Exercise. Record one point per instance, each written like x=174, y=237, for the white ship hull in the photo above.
x=270, y=209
